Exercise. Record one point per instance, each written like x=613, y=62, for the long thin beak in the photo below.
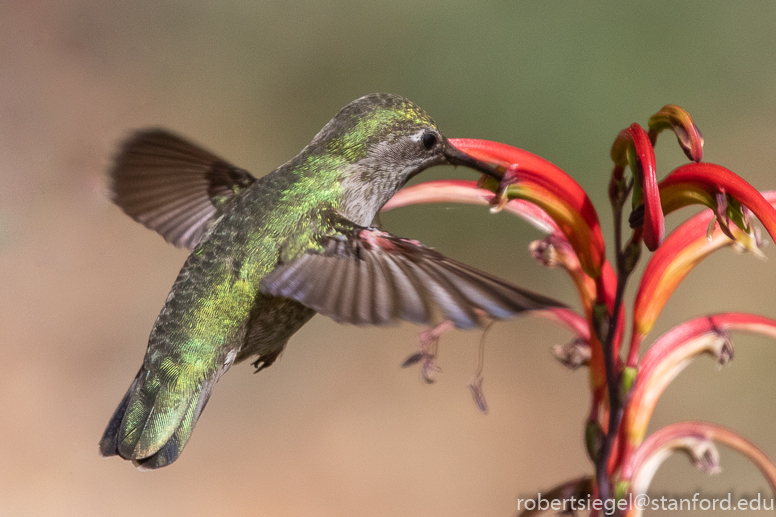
x=457, y=157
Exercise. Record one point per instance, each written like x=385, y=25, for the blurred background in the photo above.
x=336, y=428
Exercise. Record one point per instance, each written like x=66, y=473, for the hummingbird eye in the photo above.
x=429, y=140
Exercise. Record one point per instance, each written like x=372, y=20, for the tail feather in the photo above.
x=153, y=413
x=154, y=421
x=173, y=448
x=109, y=443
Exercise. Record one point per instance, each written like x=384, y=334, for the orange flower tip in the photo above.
x=574, y=354
x=475, y=387
x=681, y=123
x=633, y=147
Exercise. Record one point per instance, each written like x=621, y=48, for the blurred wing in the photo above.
x=369, y=277
x=173, y=186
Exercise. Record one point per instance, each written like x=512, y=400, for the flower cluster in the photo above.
x=626, y=385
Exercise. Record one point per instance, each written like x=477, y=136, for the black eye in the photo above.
x=429, y=140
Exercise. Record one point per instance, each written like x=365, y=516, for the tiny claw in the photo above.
x=680, y=122
x=265, y=361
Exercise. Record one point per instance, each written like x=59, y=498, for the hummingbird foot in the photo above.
x=265, y=360
x=428, y=346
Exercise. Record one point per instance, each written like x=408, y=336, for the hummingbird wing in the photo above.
x=365, y=276
x=173, y=186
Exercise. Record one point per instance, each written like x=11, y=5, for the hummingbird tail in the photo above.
x=153, y=423
x=109, y=443
x=172, y=449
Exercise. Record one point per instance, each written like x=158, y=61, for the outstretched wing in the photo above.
x=365, y=276
x=173, y=186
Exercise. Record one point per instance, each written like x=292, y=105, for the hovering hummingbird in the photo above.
x=269, y=253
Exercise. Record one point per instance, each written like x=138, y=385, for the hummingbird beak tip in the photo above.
x=457, y=157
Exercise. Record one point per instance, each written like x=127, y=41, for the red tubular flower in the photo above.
x=683, y=250
x=632, y=147
x=589, y=289
x=624, y=396
x=700, y=183
x=687, y=133
x=461, y=191
x=547, y=185
x=672, y=352
x=697, y=440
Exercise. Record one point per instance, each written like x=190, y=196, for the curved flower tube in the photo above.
x=551, y=251
x=624, y=396
x=682, y=251
x=701, y=183
x=672, y=352
x=569, y=319
x=462, y=191
x=632, y=147
x=687, y=133
x=530, y=177
x=695, y=438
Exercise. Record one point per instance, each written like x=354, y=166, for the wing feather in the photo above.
x=173, y=186
x=365, y=276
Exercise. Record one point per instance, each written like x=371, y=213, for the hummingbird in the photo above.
x=269, y=253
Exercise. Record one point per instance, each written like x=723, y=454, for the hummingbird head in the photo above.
x=386, y=140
